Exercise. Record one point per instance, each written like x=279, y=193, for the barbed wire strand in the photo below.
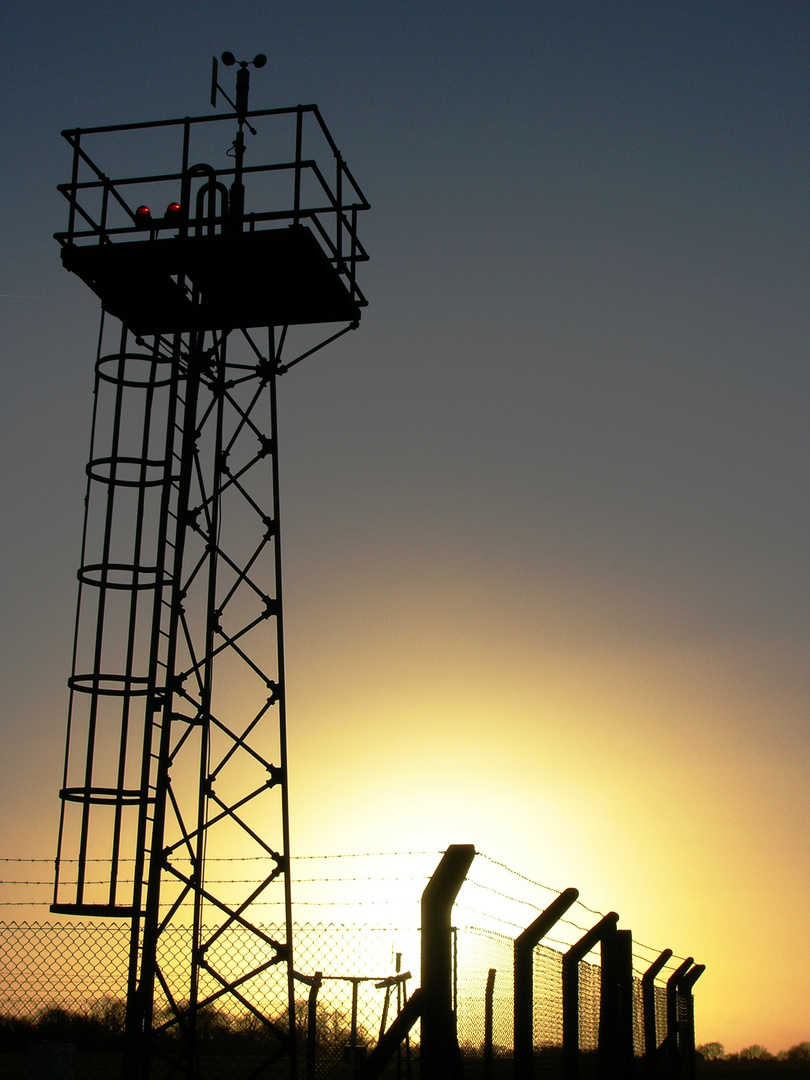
x=335, y=880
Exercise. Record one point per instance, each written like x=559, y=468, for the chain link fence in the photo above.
x=64, y=990
x=480, y=952
x=64, y=987
x=63, y=984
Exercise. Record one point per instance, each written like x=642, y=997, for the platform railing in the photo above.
x=103, y=208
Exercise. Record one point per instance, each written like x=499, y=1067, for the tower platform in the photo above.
x=177, y=284
x=239, y=247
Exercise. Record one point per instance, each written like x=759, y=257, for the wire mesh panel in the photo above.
x=548, y=1008
x=62, y=1000
x=638, y=1019
x=590, y=984
x=351, y=981
x=478, y=952
x=66, y=984
x=63, y=967
x=660, y=1014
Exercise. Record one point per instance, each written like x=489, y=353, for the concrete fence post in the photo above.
x=670, y=1046
x=570, y=991
x=525, y=944
x=440, y=1056
x=686, y=1022
x=615, y=1050
x=650, y=1025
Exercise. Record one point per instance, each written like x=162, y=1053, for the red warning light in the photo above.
x=173, y=210
x=143, y=215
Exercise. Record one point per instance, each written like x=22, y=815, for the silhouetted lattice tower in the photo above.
x=174, y=802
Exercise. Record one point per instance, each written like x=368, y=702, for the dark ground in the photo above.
x=752, y=1070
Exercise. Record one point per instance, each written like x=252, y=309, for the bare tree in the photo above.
x=711, y=1051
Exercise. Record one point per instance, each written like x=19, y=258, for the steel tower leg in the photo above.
x=204, y=663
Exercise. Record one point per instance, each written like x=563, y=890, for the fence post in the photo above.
x=401, y=996
x=388, y=1043
x=525, y=943
x=650, y=1025
x=353, y=1051
x=489, y=1003
x=670, y=1044
x=312, y=1023
x=624, y=971
x=570, y=991
x=615, y=1050
x=440, y=1057
x=686, y=1021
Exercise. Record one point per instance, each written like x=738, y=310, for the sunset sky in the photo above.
x=545, y=514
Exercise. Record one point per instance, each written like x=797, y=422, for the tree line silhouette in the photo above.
x=99, y=1026
x=715, y=1051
